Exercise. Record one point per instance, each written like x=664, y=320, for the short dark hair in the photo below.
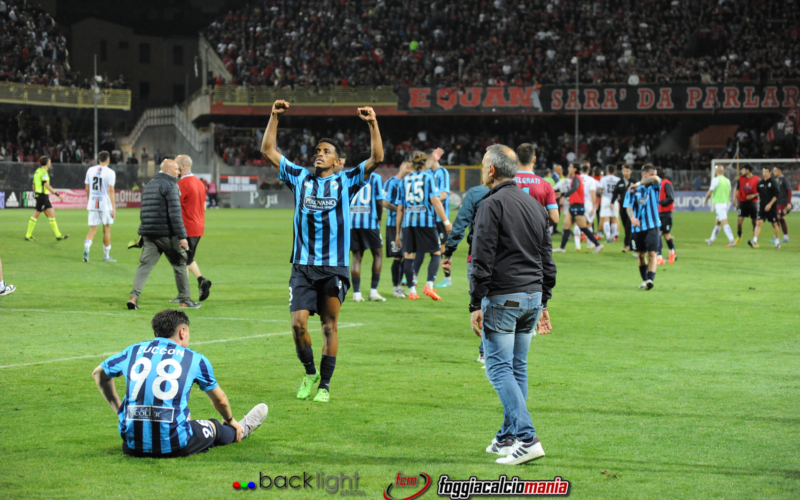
x=585, y=168
x=647, y=167
x=333, y=143
x=166, y=323
x=612, y=168
x=627, y=166
x=660, y=172
x=748, y=167
x=103, y=156
x=525, y=153
x=43, y=160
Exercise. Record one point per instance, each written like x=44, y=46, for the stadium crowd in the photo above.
x=311, y=43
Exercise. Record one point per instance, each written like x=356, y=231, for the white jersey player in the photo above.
x=101, y=204
x=608, y=214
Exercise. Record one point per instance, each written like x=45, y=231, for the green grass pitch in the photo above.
x=690, y=390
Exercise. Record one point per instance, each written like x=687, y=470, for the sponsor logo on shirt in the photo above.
x=151, y=413
x=359, y=210
x=416, y=209
x=315, y=204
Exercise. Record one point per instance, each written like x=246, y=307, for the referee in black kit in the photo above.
x=513, y=276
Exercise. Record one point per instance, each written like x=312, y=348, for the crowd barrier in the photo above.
x=73, y=198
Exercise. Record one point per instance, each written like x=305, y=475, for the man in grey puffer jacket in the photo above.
x=162, y=231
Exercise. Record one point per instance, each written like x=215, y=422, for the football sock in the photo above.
x=2, y=284
x=106, y=251
x=397, y=272
x=418, y=260
x=326, y=367
x=755, y=239
x=408, y=264
x=199, y=280
x=590, y=235
x=577, y=239
x=31, y=225
x=643, y=272
x=739, y=230
x=447, y=274
x=356, y=284
x=376, y=279
x=607, y=230
x=714, y=233
x=225, y=434
x=87, y=244
x=671, y=244
x=784, y=227
x=429, y=284
x=614, y=230
x=564, y=239
x=306, y=357
x=433, y=267
x=54, y=225
x=651, y=276
x=728, y=232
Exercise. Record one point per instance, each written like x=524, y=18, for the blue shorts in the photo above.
x=309, y=285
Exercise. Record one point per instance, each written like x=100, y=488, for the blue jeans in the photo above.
x=507, y=333
x=469, y=280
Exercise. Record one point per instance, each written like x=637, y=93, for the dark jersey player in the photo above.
x=768, y=193
x=154, y=417
x=393, y=191
x=366, y=211
x=541, y=190
x=746, y=199
x=418, y=209
x=320, y=254
x=666, y=204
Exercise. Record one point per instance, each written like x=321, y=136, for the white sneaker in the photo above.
x=786, y=238
x=643, y=286
x=777, y=246
x=254, y=419
x=357, y=297
x=559, y=250
x=522, y=453
x=709, y=242
x=481, y=359
x=502, y=449
x=399, y=293
x=7, y=289
x=376, y=297
x=599, y=249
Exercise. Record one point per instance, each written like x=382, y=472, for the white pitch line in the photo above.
x=104, y=354
x=131, y=315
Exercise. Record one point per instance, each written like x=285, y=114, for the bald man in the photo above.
x=162, y=231
x=193, y=211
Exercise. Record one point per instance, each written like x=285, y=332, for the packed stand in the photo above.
x=312, y=43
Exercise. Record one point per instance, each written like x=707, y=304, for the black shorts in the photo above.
x=441, y=231
x=391, y=248
x=193, y=241
x=421, y=240
x=748, y=209
x=309, y=285
x=666, y=222
x=577, y=210
x=204, y=433
x=43, y=202
x=770, y=216
x=365, y=239
x=646, y=241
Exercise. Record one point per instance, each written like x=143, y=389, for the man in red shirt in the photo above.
x=538, y=188
x=193, y=211
x=746, y=198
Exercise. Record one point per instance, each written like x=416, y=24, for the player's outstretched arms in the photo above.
x=368, y=115
x=220, y=401
x=269, y=142
x=106, y=386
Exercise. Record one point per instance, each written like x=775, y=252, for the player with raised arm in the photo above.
x=321, y=250
x=720, y=189
x=641, y=203
x=608, y=217
x=42, y=190
x=102, y=204
x=366, y=212
x=154, y=417
x=577, y=212
x=768, y=193
x=745, y=199
x=541, y=190
x=393, y=189
x=419, y=205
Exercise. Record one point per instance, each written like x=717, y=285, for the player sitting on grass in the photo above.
x=154, y=418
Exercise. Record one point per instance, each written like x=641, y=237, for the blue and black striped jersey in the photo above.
x=154, y=416
x=418, y=187
x=644, y=201
x=363, y=210
x=393, y=190
x=442, y=177
x=322, y=213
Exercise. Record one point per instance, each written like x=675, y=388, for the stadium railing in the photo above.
x=66, y=97
x=234, y=95
x=15, y=176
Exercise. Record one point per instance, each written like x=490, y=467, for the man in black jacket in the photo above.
x=513, y=275
x=619, y=195
x=162, y=231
